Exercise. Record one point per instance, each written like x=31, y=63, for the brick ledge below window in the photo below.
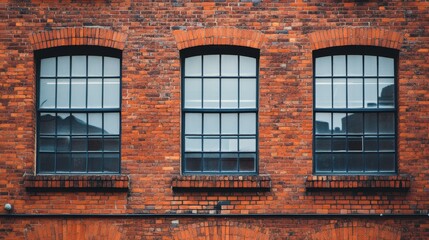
x=260, y=183
x=94, y=183
x=401, y=182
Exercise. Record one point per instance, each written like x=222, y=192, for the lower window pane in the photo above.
x=323, y=144
x=95, y=144
x=111, y=144
x=229, y=162
x=193, y=162
x=78, y=163
x=211, y=162
x=111, y=162
x=339, y=162
x=63, y=162
x=354, y=144
x=387, y=144
x=46, y=162
x=47, y=144
x=247, y=162
x=387, y=162
x=247, y=144
x=79, y=144
x=355, y=163
x=370, y=144
x=95, y=162
x=323, y=162
x=371, y=162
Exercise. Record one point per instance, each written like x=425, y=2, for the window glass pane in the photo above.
x=370, y=144
x=385, y=67
x=386, y=123
x=355, y=162
x=63, y=66
x=323, y=123
x=323, y=162
x=211, y=162
x=339, y=161
x=247, y=162
x=47, y=144
x=47, y=67
x=78, y=93
x=323, y=93
x=211, y=123
x=63, y=93
x=229, y=93
x=387, y=162
x=47, y=93
x=95, y=162
x=370, y=65
x=193, y=144
x=354, y=144
x=193, y=123
x=247, y=144
x=323, y=144
x=386, y=144
x=63, y=162
x=247, y=66
x=63, y=124
x=78, y=66
x=340, y=65
x=211, y=65
x=111, y=93
x=370, y=123
x=339, y=144
x=111, y=123
x=211, y=144
x=354, y=65
x=211, y=93
x=247, y=123
x=193, y=87
x=386, y=93
x=339, y=120
x=193, y=162
x=371, y=93
x=340, y=93
x=323, y=66
x=47, y=123
x=94, y=93
x=229, y=65
x=95, y=66
x=229, y=162
x=229, y=144
x=79, y=144
x=111, y=144
x=95, y=123
x=78, y=123
x=371, y=162
x=193, y=66
x=78, y=162
x=111, y=67
x=248, y=93
x=229, y=123
x=95, y=144
x=111, y=162
x=355, y=123
x=355, y=93
x=46, y=162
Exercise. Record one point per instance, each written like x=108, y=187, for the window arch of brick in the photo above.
x=78, y=36
x=219, y=36
x=355, y=36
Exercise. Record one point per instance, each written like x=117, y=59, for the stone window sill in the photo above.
x=91, y=183
x=401, y=182
x=260, y=183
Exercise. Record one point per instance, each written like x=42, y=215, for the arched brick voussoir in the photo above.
x=219, y=36
x=78, y=36
x=355, y=36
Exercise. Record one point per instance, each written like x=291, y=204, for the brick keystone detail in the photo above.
x=402, y=182
x=76, y=183
x=208, y=183
x=219, y=36
x=78, y=36
x=356, y=36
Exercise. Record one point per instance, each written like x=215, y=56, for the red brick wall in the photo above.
x=151, y=34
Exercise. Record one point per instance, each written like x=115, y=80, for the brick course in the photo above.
x=151, y=35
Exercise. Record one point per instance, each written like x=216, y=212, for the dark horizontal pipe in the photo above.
x=189, y=215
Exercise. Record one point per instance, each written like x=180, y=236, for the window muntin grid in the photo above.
x=78, y=112
x=354, y=113
x=219, y=114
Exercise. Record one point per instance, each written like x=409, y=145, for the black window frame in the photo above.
x=81, y=50
x=219, y=50
x=362, y=51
